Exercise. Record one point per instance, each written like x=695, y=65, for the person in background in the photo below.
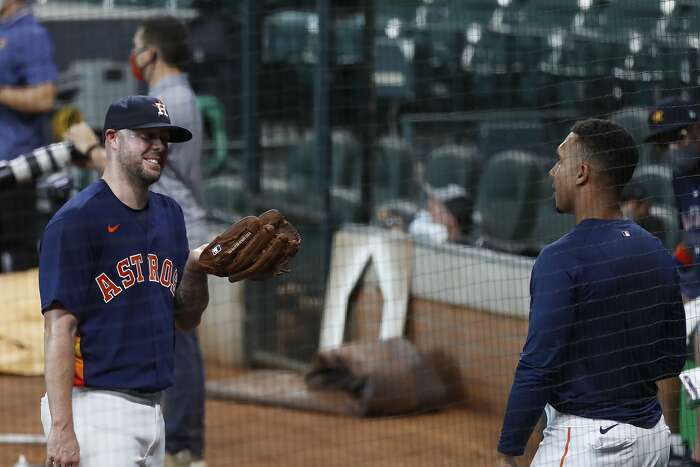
x=635, y=206
x=447, y=216
x=159, y=57
x=675, y=122
x=27, y=95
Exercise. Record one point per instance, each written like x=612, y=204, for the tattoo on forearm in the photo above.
x=192, y=295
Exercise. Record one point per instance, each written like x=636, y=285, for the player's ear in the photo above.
x=583, y=172
x=111, y=139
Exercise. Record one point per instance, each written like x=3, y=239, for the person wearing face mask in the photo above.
x=675, y=122
x=161, y=51
x=27, y=95
x=447, y=216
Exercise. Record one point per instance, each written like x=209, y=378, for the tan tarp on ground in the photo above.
x=21, y=324
x=359, y=379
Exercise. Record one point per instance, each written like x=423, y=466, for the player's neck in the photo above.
x=162, y=70
x=597, y=205
x=133, y=193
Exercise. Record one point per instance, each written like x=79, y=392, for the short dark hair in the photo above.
x=462, y=208
x=610, y=147
x=171, y=37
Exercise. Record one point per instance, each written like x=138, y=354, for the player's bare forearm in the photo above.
x=192, y=296
x=60, y=328
x=29, y=99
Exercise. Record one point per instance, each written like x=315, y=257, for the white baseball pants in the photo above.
x=115, y=429
x=571, y=441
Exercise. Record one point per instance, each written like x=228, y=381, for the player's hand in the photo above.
x=193, y=259
x=505, y=461
x=62, y=449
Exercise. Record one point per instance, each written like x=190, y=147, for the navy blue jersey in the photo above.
x=687, y=191
x=606, y=322
x=116, y=269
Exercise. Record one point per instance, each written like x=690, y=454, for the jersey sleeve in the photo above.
x=551, y=318
x=64, y=265
x=183, y=247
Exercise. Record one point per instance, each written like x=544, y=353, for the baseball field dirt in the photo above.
x=256, y=436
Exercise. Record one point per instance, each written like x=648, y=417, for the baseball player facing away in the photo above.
x=116, y=276
x=606, y=321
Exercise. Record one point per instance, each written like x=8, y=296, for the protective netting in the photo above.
x=411, y=143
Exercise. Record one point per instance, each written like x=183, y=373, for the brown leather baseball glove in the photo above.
x=254, y=248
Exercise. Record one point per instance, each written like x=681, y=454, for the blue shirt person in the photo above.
x=606, y=320
x=27, y=76
x=27, y=94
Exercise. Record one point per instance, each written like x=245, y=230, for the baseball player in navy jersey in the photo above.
x=675, y=122
x=606, y=321
x=161, y=51
x=116, y=275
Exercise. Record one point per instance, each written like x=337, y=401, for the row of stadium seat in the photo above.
x=512, y=192
x=536, y=52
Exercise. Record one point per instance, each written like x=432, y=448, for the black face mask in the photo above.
x=684, y=160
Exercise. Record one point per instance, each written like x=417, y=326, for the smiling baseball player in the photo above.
x=115, y=275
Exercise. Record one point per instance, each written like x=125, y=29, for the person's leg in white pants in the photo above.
x=578, y=442
x=115, y=429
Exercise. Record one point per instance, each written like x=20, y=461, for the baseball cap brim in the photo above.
x=666, y=134
x=176, y=134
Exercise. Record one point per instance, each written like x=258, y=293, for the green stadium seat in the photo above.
x=302, y=167
x=500, y=135
x=347, y=156
x=506, y=202
x=454, y=163
x=391, y=10
x=634, y=120
x=394, y=169
x=286, y=36
x=658, y=182
x=540, y=46
x=672, y=232
x=465, y=12
x=624, y=15
x=302, y=176
x=545, y=15
x=224, y=197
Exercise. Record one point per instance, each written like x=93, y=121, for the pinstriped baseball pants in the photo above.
x=572, y=441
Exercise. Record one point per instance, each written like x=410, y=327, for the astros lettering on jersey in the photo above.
x=129, y=271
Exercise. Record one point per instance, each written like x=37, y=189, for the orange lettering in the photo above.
x=125, y=273
x=166, y=273
x=108, y=288
x=136, y=260
x=152, y=267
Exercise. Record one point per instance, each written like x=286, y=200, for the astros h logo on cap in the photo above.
x=657, y=117
x=143, y=112
x=161, y=109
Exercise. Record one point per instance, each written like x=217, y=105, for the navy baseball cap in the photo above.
x=143, y=112
x=668, y=117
